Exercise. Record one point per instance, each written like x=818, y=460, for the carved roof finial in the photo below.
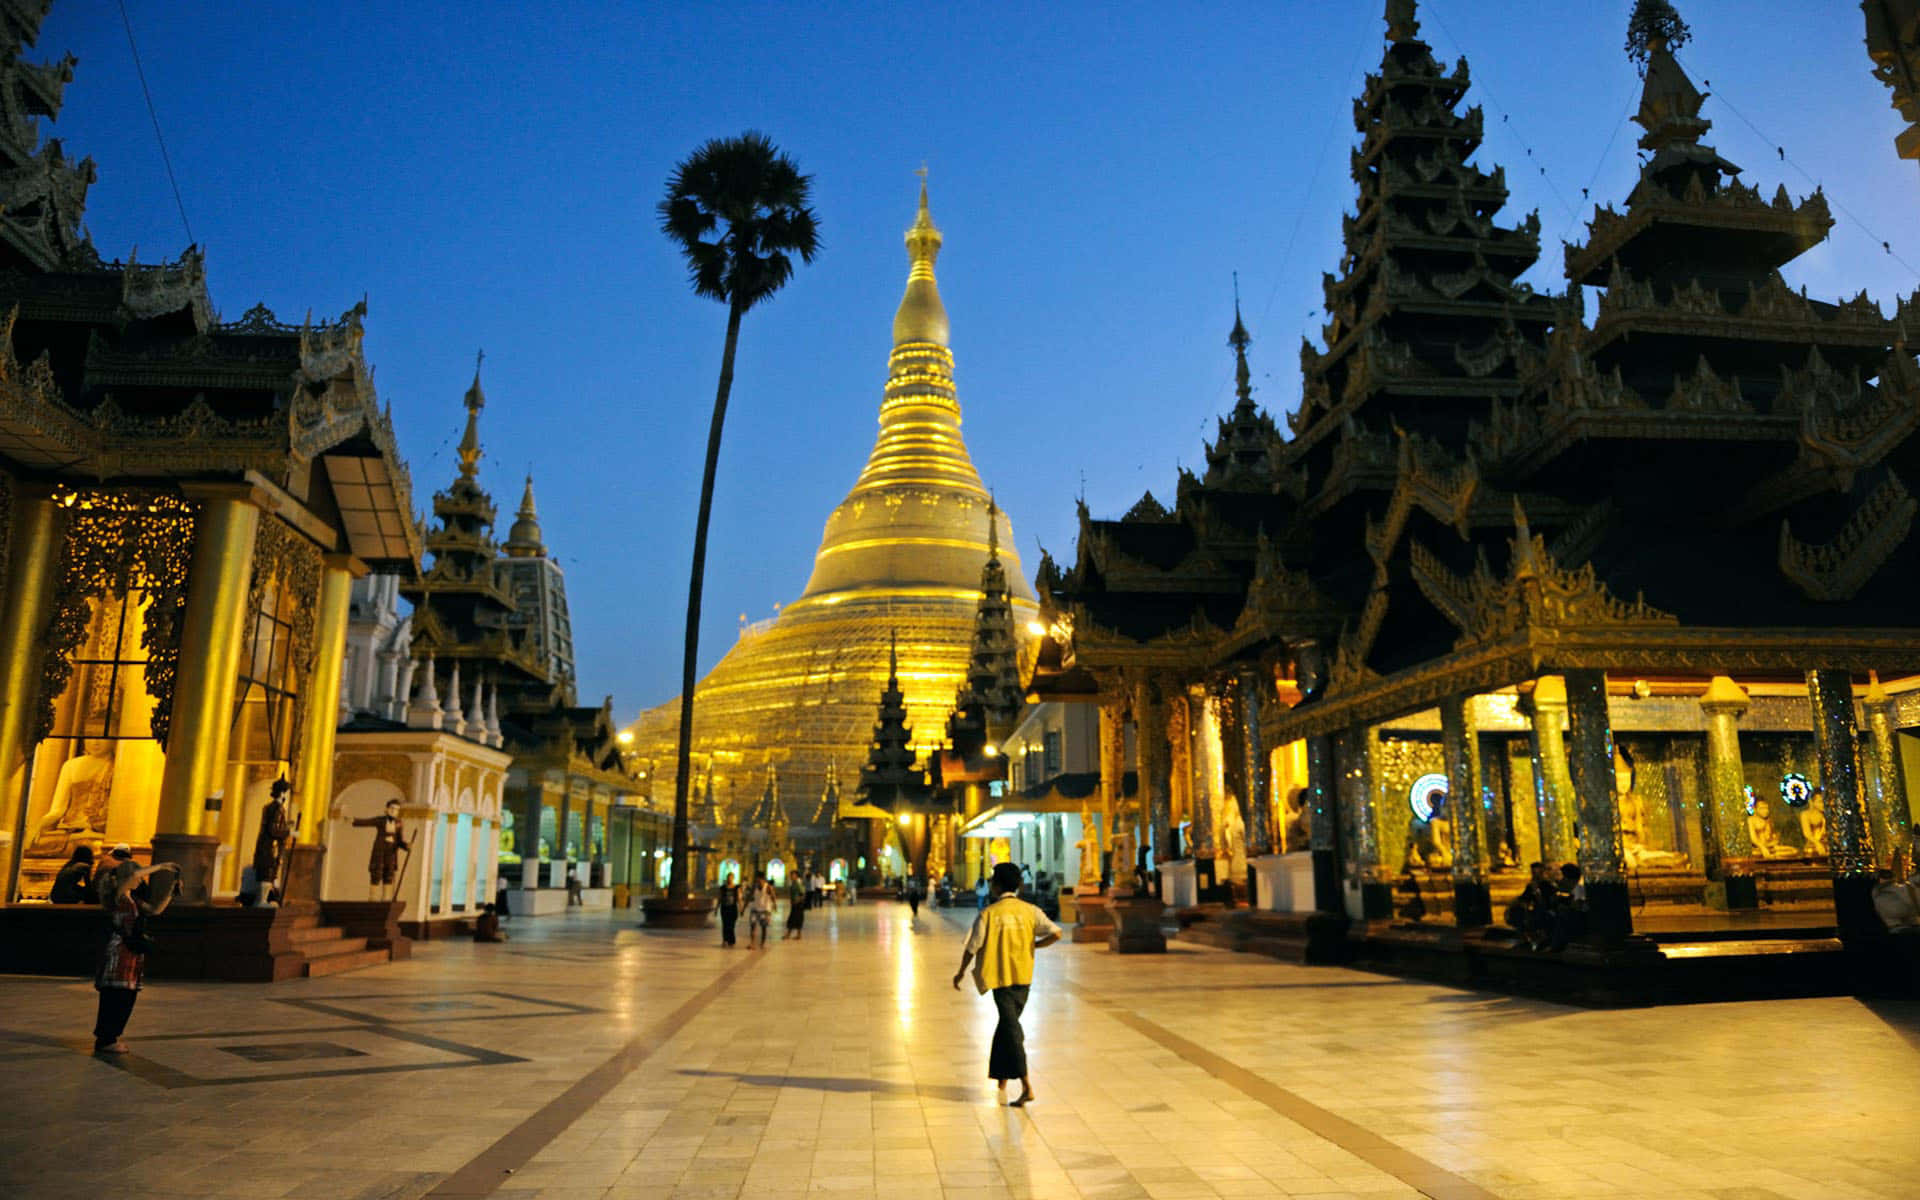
x=921, y=317
x=524, y=539
x=1655, y=25
x=1240, y=339
x=1401, y=23
x=470, y=440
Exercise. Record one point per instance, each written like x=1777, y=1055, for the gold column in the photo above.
x=1113, y=771
x=1150, y=741
x=1553, y=784
x=1180, y=789
x=38, y=527
x=211, y=630
x=1887, y=791
x=1724, y=702
x=313, y=768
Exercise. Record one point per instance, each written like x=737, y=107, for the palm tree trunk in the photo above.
x=677, y=888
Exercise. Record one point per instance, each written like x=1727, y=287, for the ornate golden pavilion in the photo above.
x=184, y=503
x=902, y=555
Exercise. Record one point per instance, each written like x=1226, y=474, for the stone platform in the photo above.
x=209, y=941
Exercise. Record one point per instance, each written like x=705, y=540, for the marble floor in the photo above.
x=585, y=1060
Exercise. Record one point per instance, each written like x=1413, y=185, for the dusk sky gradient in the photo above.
x=486, y=174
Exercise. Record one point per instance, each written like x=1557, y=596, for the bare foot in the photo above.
x=115, y=1048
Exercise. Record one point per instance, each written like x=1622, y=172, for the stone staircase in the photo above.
x=328, y=950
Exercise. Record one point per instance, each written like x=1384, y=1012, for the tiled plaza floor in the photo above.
x=600, y=1063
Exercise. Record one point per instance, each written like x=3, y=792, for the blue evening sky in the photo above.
x=486, y=174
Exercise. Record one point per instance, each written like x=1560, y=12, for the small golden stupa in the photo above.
x=902, y=555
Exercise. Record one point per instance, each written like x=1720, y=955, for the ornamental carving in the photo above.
x=292, y=565
x=1538, y=593
x=1838, y=569
x=117, y=543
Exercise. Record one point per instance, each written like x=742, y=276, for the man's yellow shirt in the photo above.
x=1002, y=942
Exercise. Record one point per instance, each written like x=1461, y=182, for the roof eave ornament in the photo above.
x=1402, y=26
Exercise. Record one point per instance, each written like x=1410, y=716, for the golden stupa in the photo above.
x=902, y=554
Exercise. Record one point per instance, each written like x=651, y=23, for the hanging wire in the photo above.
x=1460, y=48
x=154, y=115
x=1780, y=149
x=1599, y=164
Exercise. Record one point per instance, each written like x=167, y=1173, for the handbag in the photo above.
x=139, y=939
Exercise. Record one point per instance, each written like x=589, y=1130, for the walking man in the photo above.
x=1001, y=946
x=729, y=908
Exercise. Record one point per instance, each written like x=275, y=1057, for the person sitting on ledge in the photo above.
x=1570, y=909
x=486, y=926
x=70, y=885
x=1531, y=913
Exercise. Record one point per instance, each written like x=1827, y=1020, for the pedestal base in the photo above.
x=1096, y=920
x=378, y=921
x=663, y=912
x=1136, y=925
x=304, y=864
x=195, y=853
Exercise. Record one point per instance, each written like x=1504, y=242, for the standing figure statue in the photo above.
x=270, y=844
x=1089, y=848
x=383, y=861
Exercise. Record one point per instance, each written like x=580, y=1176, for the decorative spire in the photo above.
x=477, y=725
x=1669, y=103
x=1401, y=25
x=922, y=317
x=889, y=777
x=523, y=539
x=470, y=440
x=1240, y=339
x=456, y=720
x=424, y=712
x=495, y=737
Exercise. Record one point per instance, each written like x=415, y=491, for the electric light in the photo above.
x=991, y=750
x=1036, y=629
x=626, y=737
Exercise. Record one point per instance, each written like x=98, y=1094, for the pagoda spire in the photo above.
x=1239, y=339
x=1669, y=103
x=993, y=671
x=889, y=776
x=524, y=539
x=921, y=317
x=470, y=440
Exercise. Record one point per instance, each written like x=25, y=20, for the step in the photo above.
x=334, y=948
x=334, y=964
x=306, y=936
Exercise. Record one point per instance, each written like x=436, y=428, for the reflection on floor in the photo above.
x=586, y=1059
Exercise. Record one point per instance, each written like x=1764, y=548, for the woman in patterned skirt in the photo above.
x=125, y=958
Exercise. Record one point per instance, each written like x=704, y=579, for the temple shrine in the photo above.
x=187, y=503
x=1626, y=590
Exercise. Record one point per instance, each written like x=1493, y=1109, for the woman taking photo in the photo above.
x=129, y=904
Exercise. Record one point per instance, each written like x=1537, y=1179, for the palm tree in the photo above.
x=738, y=208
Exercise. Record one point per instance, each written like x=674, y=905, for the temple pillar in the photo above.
x=1849, y=841
x=1258, y=768
x=1353, y=747
x=1590, y=766
x=1891, y=819
x=1150, y=738
x=1113, y=771
x=1199, y=779
x=1553, y=787
x=38, y=531
x=313, y=769
x=1729, y=849
x=212, y=629
x=1460, y=745
x=1324, y=831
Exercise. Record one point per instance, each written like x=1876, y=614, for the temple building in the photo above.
x=186, y=503
x=490, y=660
x=1630, y=592
x=901, y=559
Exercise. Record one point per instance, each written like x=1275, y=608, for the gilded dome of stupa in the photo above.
x=901, y=554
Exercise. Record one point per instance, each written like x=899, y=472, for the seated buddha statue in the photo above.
x=1813, y=824
x=1760, y=831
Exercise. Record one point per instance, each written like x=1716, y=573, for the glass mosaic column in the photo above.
x=1201, y=845
x=1886, y=781
x=1113, y=771
x=1324, y=834
x=1181, y=771
x=1257, y=766
x=1460, y=744
x=1359, y=802
x=1849, y=844
x=1590, y=766
x=1724, y=703
x=1553, y=788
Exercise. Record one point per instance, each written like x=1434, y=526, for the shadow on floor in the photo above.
x=835, y=1083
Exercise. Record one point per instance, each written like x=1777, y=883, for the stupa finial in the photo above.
x=470, y=440
x=922, y=317
x=1402, y=26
